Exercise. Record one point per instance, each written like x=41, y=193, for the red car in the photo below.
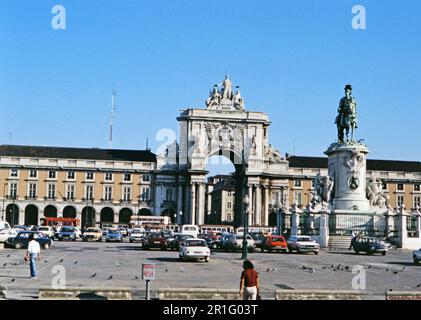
x=154, y=240
x=274, y=243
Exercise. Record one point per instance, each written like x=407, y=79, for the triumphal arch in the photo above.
x=227, y=128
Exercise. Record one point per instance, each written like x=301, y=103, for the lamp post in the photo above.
x=246, y=202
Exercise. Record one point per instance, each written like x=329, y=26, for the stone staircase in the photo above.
x=339, y=242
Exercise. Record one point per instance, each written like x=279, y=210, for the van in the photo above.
x=190, y=229
x=4, y=225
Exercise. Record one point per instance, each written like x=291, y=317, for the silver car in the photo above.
x=303, y=244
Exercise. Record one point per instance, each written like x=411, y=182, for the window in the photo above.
x=229, y=205
x=417, y=201
x=13, y=190
x=297, y=183
x=71, y=175
x=71, y=191
x=51, y=174
x=89, y=176
x=384, y=186
x=108, y=177
x=127, y=192
x=14, y=173
x=229, y=217
x=298, y=198
x=108, y=193
x=51, y=191
x=169, y=194
x=417, y=187
x=145, y=194
x=32, y=173
x=230, y=193
x=32, y=192
x=400, y=201
x=127, y=177
x=89, y=193
x=400, y=186
x=146, y=178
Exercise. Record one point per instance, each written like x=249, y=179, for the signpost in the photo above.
x=148, y=274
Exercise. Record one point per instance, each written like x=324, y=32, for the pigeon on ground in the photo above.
x=13, y=280
x=387, y=269
x=93, y=276
x=418, y=285
x=75, y=262
x=110, y=277
x=136, y=277
x=166, y=270
x=61, y=260
x=268, y=269
x=5, y=264
x=395, y=272
x=369, y=267
x=403, y=269
x=8, y=255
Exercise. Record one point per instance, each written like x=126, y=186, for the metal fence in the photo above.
x=362, y=223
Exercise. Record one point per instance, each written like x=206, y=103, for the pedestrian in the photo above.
x=353, y=237
x=32, y=254
x=249, y=283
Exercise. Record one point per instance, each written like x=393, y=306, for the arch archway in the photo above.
x=144, y=212
x=272, y=219
x=69, y=212
x=88, y=217
x=31, y=215
x=50, y=211
x=124, y=215
x=107, y=215
x=12, y=214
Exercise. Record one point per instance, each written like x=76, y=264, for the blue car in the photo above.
x=114, y=236
x=67, y=233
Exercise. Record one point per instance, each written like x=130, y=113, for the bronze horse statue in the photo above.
x=347, y=117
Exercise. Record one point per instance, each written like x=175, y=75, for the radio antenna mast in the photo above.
x=110, y=143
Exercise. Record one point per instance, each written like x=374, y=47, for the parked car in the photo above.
x=154, y=240
x=235, y=242
x=274, y=243
x=92, y=234
x=4, y=225
x=47, y=230
x=22, y=239
x=369, y=245
x=303, y=244
x=222, y=240
x=416, y=255
x=114, y=236
x=174, y=242
x=123, y=231
x=137, y=235
x=67, y=233
x=22, y=228
x=8, y=233
x=194, y=249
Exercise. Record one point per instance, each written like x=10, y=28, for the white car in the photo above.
x=9, y=233
x=416, y=255
x=78, y=232
x=48, y=231
x=194, y=249
x=303, y=244
x=137, y=235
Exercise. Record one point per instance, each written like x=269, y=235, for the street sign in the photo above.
x=148, y=271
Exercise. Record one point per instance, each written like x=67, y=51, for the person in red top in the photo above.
x=249, y=283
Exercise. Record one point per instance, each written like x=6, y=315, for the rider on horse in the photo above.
x=347, y=117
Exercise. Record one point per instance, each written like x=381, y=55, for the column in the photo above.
x=201, y=204
x=324, y=229
x=251, y=203
x=258, y=212
x=266, y=208
x=403, y=232
x=21, y=219
x=179, y=200
x=192, y=218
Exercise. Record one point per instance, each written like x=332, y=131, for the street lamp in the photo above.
x=246, y=202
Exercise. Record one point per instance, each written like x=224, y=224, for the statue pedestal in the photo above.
x=347, y=167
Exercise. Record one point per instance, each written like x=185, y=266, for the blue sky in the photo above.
x=291, y=58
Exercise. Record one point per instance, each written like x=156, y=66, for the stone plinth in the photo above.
x=347, y=167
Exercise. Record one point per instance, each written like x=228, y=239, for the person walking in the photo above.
x=249, y=283
x=353, y=238
x=32, y=254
